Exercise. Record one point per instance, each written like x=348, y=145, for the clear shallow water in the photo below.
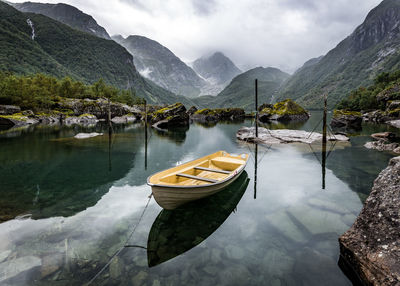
x=81, y=201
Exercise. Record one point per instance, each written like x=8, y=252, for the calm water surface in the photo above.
x=78, y=211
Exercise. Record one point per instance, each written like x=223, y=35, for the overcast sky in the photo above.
x=279, y=33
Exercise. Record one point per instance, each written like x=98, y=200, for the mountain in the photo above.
x=66, y=14
x=218, y=70
x=159, y=64
x=33, y=43
x=373, y=47
x=240, y=92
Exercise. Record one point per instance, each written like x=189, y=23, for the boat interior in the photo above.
x=206, y=170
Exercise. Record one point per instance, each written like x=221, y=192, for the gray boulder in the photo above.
x=9, y=109
x=98, y=108
x=171, y=116
x=346, y=119
x=370, y=249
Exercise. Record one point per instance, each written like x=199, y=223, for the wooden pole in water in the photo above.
x=256, y=102
x=255, y=170
x=145, y=135
x=324, y=140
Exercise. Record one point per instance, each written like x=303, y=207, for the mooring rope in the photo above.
x=121, y=248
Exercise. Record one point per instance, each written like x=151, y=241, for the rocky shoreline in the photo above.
x=370, y=249
x=71, y=112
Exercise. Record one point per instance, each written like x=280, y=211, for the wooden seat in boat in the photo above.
x=197, y=178
x=212, y=170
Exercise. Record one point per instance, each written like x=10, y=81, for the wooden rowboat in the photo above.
x=176, y=231
x=196, y=179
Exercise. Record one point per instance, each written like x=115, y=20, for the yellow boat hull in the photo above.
x=196, y=179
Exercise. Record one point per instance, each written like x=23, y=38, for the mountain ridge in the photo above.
x=66, y=14
x=240, y=91
x=60, y=50
x=373, y=47
x=161, y=65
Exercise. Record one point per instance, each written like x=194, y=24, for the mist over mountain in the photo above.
x=218, y=70
x=33, y=43
x=159, y=64
x=373, y=47
x=240, y=91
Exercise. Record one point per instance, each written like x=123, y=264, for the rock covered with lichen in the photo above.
x=346, y=119
x=218, y=114
x=370, y=249
x=286, y=110
x=97, y=107
x=173, y=115
x=16, y=120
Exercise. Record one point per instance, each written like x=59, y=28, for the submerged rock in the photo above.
x=12, y=268
x=286, y=110
x=278, y=136
x=370, y=249
x=346, y=119
x=87, y=135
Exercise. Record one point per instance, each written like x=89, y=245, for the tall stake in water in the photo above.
x=324, y=142
x=145, y=135
x=256, y=102
x=255, y=169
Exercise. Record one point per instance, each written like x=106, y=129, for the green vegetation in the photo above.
x=217, y=111
x=286, y=107
x=61, y=51
x=354, y=62
x=385, y=84
x=341, y=112
x=42, y=93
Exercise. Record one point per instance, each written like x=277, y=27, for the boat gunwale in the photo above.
x=238, y=172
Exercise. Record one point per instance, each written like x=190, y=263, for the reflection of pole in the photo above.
x=256, y=102
x=109, y=147
x=324, y=142
x=255, y=170
x=145, y=135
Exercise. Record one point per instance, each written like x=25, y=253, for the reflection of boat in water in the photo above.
x=176, y=231
x=196, y=179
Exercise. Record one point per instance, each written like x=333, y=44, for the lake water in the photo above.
x=74, y=212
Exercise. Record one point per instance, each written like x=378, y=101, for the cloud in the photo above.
x=204, y=7
x=280, y=33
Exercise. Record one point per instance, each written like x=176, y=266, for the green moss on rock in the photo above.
x=16, y=116
x=341, y=112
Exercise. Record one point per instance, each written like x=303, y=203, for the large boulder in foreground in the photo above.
x=346, y=119
x=171, y=116
x=370, y=249
x=286, y=110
